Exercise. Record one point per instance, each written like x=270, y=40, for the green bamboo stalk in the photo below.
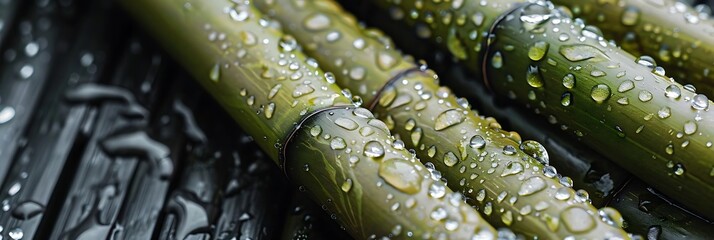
x=676, y=35
x=583, y=75
x=629, y=112
x=620, y=106
x=510, y=187
x=341, y=155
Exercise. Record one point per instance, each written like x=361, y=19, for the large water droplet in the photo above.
x=477, y=142
x=645, y=96
x=338, y=143
x=577, y=220
x=317, y=22
x=700, y=102
x=450, y=159
x=673, y=91
x=437, y=190
x=534, y=15
x=346, y=123
x=582, y=52
x=690, y=127
x=532, y=185
x=400, y=174
x=646, y=61
x=625, y=86
x=599, y=93
x=448, y=118
x=373, y=149
x=664, y=112
x=535, y=150
x=533, y=77
x=538, y=50
x=512, y=168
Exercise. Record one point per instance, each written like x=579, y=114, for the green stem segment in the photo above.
x=342, y=156
x=676, y=35
x=508, y=185
x=631, y=113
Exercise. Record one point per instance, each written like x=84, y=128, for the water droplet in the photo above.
x=690, y=127
x=599, y=93
x=400, y=174
x=532, y=185
x=315, y=131
x=664, y=112
x=509, y=150
x=700, y=102
x=6, y=114
x=625, y=86
x=287, y=43
x=534, y=15
x=577, y=220
x=678, y=169
x=450, y=159
x=497, y=60
x=359, y=43
x=16, y=234
x=346, y=123
x=269, y=110
x=535, y=150
x=597, y=73
x=438, y=214
x=582, y=52
x=238, y=15
x=31, y=49
x=431, y=152
x=562, y=193
x=477, y=142
x=538, y=50
x=373, y=149
x=437, y=190
x=26, y=71
x=338, y=143
x=630, y=16
x=358, y=73
x=569, y=81
x=448, y=118
x=451, y=225
x=317, y=22
x=645, y=96
x=646, y=61
x=215, y=73
x=385, y=60
x=512, y=168
x=302, y=90
x=333, y=36
x=533, y=77
x=347, y=185
x=673, y=91
x=566, y=99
